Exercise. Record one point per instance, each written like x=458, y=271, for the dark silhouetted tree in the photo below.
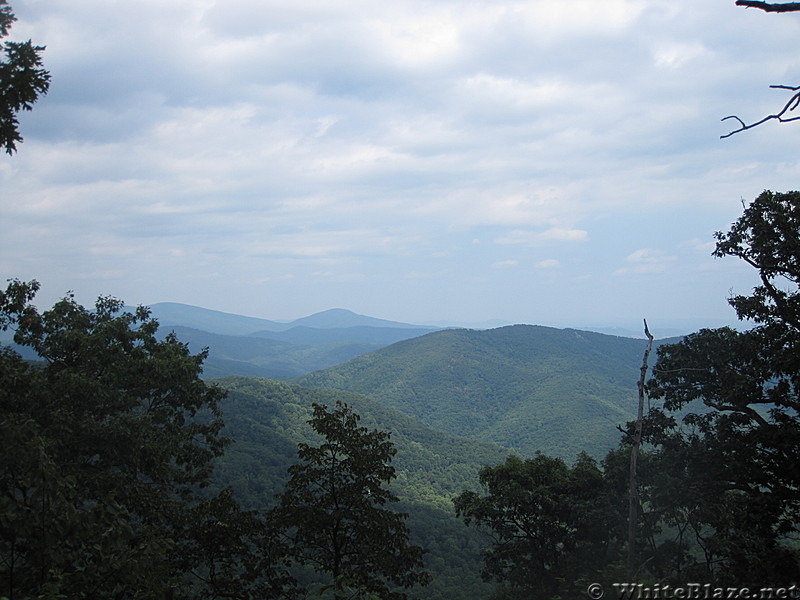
x=106, y=440
x=22, y=80
x=739, y=454
x=554, y=528
x=333, y=507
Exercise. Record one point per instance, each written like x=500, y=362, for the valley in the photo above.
x=454, y=401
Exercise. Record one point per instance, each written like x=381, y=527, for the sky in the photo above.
x=553, y=162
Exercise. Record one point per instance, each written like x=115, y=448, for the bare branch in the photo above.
x=770, y=6
x=792, y=104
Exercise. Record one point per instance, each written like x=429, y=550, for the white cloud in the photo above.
x=255, y=139
x=646, y=260
x=533, y=238
x=675, y=55
x=548, y=263
x=504, y=264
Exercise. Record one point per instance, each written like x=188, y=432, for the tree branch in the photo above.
x=769, y=6
x=793, y=102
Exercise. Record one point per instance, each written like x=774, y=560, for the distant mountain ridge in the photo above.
x=214, y=321
x=253, y=347
x=335, y=318
x=204, y=319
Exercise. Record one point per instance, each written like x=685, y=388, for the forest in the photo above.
x=125, y=474
x=417, y=470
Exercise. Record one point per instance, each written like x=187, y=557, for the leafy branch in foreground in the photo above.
x=738, y=453
x=22, y=80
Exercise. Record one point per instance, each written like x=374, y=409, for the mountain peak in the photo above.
x=341, y=317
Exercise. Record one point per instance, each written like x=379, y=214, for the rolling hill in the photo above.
x=266, y=420
x=523, y=387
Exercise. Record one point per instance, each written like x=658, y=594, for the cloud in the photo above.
x=646, y=261
x=504, y=264
x=534, y=238
x=549, y=263
x=258, y=139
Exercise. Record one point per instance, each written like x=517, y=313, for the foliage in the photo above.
x=231, y=553
x=267, y=419
x=333, y=504
x=526, y=388
x=22, y=80
x=554, y=528
x=738, y=456
x=105, y=443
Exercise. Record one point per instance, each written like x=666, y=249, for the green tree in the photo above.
x=741, y=448
x=230, y=553
x=554, y=528
x=105, y=442
x=22, y=80
x=333, y=509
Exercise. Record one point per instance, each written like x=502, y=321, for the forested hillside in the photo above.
x=267, y=419
x=559, y=391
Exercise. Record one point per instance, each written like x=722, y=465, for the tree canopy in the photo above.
x=747, y=434
x=333, y=509
x=554, y=528
x=22, y=80
x=106, y=440
x=719, y=479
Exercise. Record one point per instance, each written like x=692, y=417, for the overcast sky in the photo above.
x=552, y=162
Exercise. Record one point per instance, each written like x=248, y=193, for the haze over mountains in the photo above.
x=453, y=400
x=248, y=346
x=523, y=387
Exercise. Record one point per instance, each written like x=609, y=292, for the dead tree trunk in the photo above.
x=633, y=491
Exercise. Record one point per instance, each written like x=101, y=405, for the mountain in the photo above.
x=213, y=321
x=267, y=419
x=523, y=387
x=254, y=347
x=339, y=318
x=253, y=356
x=373, y=336
x=204, y=319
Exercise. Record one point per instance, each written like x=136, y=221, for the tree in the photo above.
x=747, y=435
x=22, y=80
x=554, y=528
x=230, y=553
x=332, y=508
x=636, y=441
x=106, y=440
